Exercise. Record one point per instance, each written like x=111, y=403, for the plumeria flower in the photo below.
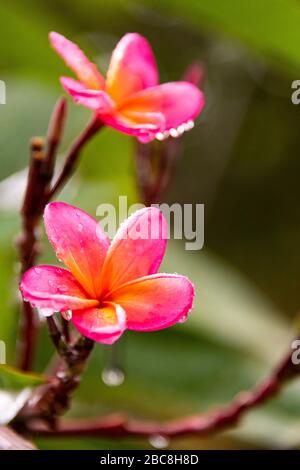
x=130, y=99
x=108, y=287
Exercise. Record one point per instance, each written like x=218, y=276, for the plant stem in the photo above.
x=72, y=157
x=37, y=195
x=51, y=400
x=27, y=244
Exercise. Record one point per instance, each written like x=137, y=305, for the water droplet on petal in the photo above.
x=181, y=129
x=62, y=289
x=174, y=133
x=160, y=136
x=113, y=377
x=183, y=319
x=80, y=227
x=45, y=312
x=59, y=254
x=67, y=315
x=158, y=441
x=37, y=270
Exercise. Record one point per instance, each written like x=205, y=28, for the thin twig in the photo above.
x=54, y=136
x=65, y=329
x=72, y=157
x=54, y=332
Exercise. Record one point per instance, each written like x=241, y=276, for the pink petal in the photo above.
x=179, y=102
x=79, y=242
x=155, y=302
x=54, y=290
x=137, y=249
x=85, y=70
x=94, y=99
x=132, y=67
x=144, y=126
x=104, y=325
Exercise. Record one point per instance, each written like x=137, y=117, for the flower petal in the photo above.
x=179, y=102
x=104, y=325
x=85, y=70
x=137, y=249
x=132, y=67
x=53, y=289
x=155, y=302
x=144, y=126
x=79, y=242
x=94, y=99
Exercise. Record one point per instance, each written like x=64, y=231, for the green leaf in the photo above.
x=14, y=379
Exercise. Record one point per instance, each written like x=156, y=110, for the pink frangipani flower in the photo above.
x=130, y=99
x=108, y=287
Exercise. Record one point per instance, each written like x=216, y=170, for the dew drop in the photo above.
x=174, y=133
x=160, y=136
x=67, y=315
x=45, y=312
x=80, y=227
x=181, y=129
x=60, y=256
x=158, y=441
x=113, y=377
x=62, y=289
x=183, y=319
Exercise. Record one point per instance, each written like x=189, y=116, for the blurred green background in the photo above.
x=242, y=161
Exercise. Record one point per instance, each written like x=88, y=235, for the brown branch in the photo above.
x=54, y=333
x=54, y=136
x=65, y=329
x=51, y=400
x=72, y=156
x=155, y=164
x=27, y=244
x=119, y=425
x=37, y=194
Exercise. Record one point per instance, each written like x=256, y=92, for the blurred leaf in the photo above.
x=228, y=307
x=24, y=98
x=26, y=31
x=10, y=440
x=15, y=379
x=256, y=23
x=8, y=283
x=11, y=402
